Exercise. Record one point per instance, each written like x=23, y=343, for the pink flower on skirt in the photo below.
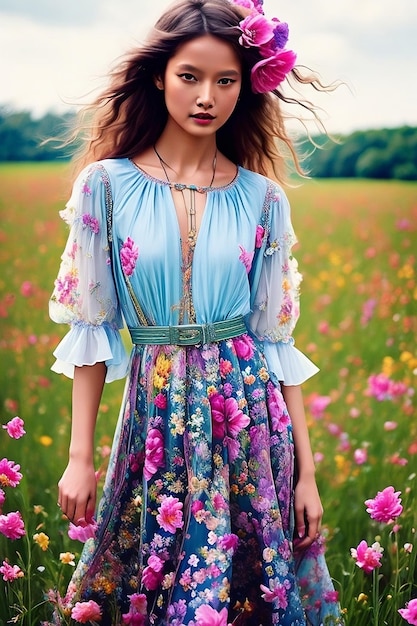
x=207, y=616
x=84, y=612
x=386, y=505
x=217, y=415
x=153, y=573
x=15, y=428
x=236, y=420
x=12, y=525
x=170, y=516
x=244, y=347
x=154, y=452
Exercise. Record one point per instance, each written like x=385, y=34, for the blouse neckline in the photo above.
x=202, y=189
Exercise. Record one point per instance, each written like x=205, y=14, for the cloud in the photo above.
x=53, y=12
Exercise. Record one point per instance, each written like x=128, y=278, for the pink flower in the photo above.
x=15, y=428
x=26, y=289
x=277, y=593
x=244, y=347
x=66, y=288
x=383, y=388
x=9, y=473
x=138, y=602
x=390, y=425
x=256, y=31
x=360, y=456
x=160, y=400
x=207, y=616
x=260, y=230
x=236, y=420
x=12, y=525
x=318, y=405
x=246, y=258
x=153, y=574
x=2, y=498
x=367, y=557
x=170, y=514
x=154, y=452
x=82, y=533
x=385, y=506
x=276, y=404
x=410, y=612
x=217, y=415
x=91, y=222
x=10, y=572
x=84, y=612
x=228, y=542
x=129, y=254
x=225, y=367
x=331, y=596
x=268, y=73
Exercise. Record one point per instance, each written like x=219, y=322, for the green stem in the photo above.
x=375, y=596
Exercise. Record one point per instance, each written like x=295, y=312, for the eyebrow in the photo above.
x=185, y=67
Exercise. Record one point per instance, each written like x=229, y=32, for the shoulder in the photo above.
x=271, y=190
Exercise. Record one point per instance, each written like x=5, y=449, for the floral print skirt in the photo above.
x=195, y=525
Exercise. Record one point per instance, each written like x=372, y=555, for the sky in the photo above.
x=53, y=53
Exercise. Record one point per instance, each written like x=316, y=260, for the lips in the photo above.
x=203, y=116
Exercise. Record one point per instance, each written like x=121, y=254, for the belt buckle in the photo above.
x=189, y=335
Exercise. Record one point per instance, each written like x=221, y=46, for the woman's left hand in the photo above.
x=308, y=513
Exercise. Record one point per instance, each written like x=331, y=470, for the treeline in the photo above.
x=384, y=153
x=25, y=138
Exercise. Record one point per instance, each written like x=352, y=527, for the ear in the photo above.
x=159, y=83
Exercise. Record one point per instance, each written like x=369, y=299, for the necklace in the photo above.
x=187, y=312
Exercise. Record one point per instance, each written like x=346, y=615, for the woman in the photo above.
x=176, y=229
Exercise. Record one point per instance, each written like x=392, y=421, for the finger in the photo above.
x=300, y=523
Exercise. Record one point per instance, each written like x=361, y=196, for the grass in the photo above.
x=357, y=255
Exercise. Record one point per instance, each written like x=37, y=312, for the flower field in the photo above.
x=357, y=252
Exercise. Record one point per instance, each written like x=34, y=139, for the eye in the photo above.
x=226, y=81
x=187, y=77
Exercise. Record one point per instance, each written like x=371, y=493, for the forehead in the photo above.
x=206, y=51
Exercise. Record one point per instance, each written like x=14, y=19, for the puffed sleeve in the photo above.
x=276, y=297
x=84, y=295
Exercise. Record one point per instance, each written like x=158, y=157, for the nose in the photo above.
x=205, y=99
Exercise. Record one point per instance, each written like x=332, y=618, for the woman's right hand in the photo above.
x=77, y=491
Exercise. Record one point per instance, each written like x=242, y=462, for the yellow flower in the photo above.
x=387, y=365
x=362, y=597
x=45, y=440
x=67, y=558
x=263, y=374
x=42, y=540
x=211, y=389
x=38, y=508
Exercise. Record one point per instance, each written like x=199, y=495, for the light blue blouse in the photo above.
x=242, y=265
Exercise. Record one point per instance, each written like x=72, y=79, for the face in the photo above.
x=201, y=85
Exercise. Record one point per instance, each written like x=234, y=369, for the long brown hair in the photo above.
x=130, y=114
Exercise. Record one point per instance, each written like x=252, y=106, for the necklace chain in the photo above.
x=181, y=186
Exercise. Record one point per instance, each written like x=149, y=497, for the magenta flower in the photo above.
x=9, y=473
x=84, y=612
x=318, y=405
x=91, y=222
x=2, y=498
x=367, y=557
x=260, y=231
x=268, y=73
x=410, y=612
x=360, y=456
x=129, y=253
x=256, y=31
x=153, y=573
x=15, y=428
x=82, y=533
x=244, y=347
x=137, y=610
x=170, y=514
x=10, y=572
x=228, y=542
x=26, y=289
x=154, y=452
x=12, y=525
x=277, y=593
x=217, y=415
x=386, y=505
x=246, y=258
x=381, y=387
x=207, y=616
x=67, y=288
x=160, y=400
x=236, y=420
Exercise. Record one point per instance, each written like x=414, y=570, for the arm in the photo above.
x=77, y=487
x=308, y=508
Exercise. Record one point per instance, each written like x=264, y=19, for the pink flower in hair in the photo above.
x=386, y=505
x=256, y=31
x=268, y=73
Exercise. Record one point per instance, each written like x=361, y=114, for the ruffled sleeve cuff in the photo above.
x=87, y=344
x=289, y=365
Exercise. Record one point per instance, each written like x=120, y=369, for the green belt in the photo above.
x=188, y=334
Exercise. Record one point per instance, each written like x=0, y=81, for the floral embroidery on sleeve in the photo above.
x=246, y=258
x=91, y=222
x=129, y=253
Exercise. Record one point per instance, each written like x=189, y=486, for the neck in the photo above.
x=186, y=155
